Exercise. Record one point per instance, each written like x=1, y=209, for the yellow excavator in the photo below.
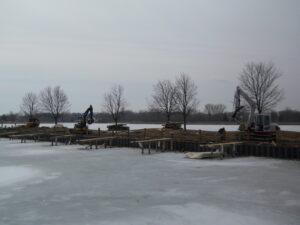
x=86, y=118
x=33, y=122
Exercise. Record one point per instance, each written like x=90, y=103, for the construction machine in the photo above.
x=86, y=118
x=258, y=126
x=33, y=122
x=172, y=125
x=118, y=127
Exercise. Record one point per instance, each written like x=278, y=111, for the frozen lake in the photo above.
x=40, y=184
x=208, y=127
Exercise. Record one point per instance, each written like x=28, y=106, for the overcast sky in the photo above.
x=86, y=46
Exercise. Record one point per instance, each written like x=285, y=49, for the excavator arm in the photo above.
x=237, y=103
x=87, y=117
x=88, y=112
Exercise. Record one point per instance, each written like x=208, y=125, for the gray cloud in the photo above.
x=87, y=46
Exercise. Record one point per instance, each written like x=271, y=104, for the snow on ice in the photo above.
x=43, y=184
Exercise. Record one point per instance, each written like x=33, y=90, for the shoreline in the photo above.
x=193, y=123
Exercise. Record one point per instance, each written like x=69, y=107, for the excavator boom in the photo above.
x=237, y=103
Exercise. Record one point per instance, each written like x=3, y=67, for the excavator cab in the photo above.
x=262, y=122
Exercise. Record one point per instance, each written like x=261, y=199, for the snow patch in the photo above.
x=194, y=213
x=10, y=175
x=191, y=213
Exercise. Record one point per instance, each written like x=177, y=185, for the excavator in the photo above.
x=86, y=118
x=258, y=126
x=33, y=122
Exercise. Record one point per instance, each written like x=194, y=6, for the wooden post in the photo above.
x=273, y=152
x=145, y=130
x=142, y=149
x=172, y=143
x=99, y=132
x=222, y=148
x=285, y=153
x=55, y=141
x=96, y=145
x=164, y=145
x=199, y=132
x=149, y=147
x=233, y=150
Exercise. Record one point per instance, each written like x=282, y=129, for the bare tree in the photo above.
x=258, y=80
x=164, y=98
x=186, y=92
x=54, y=101
x=30, y=104
x=213, y=109
x=114, y=102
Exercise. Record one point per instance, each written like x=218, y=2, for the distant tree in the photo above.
x=11, y=117
x=164, y=98
x=114, y=102
x=186, y=92
x=288, y=115
x=258, y=80
x=30, y=104
x=54, y=101
x=3, y=118
x=213, y=109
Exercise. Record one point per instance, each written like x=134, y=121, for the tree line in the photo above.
x=171, y=101
x=284, y=116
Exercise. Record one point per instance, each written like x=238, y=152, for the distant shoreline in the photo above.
x=193, y=123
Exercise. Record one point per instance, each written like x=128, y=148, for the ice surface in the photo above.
x=43, y=184
x=13, y=174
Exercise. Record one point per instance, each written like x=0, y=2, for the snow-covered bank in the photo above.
x=65, y=185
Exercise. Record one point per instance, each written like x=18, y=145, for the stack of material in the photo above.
x=172, y=125
x=204, y=155
x=120, y=126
